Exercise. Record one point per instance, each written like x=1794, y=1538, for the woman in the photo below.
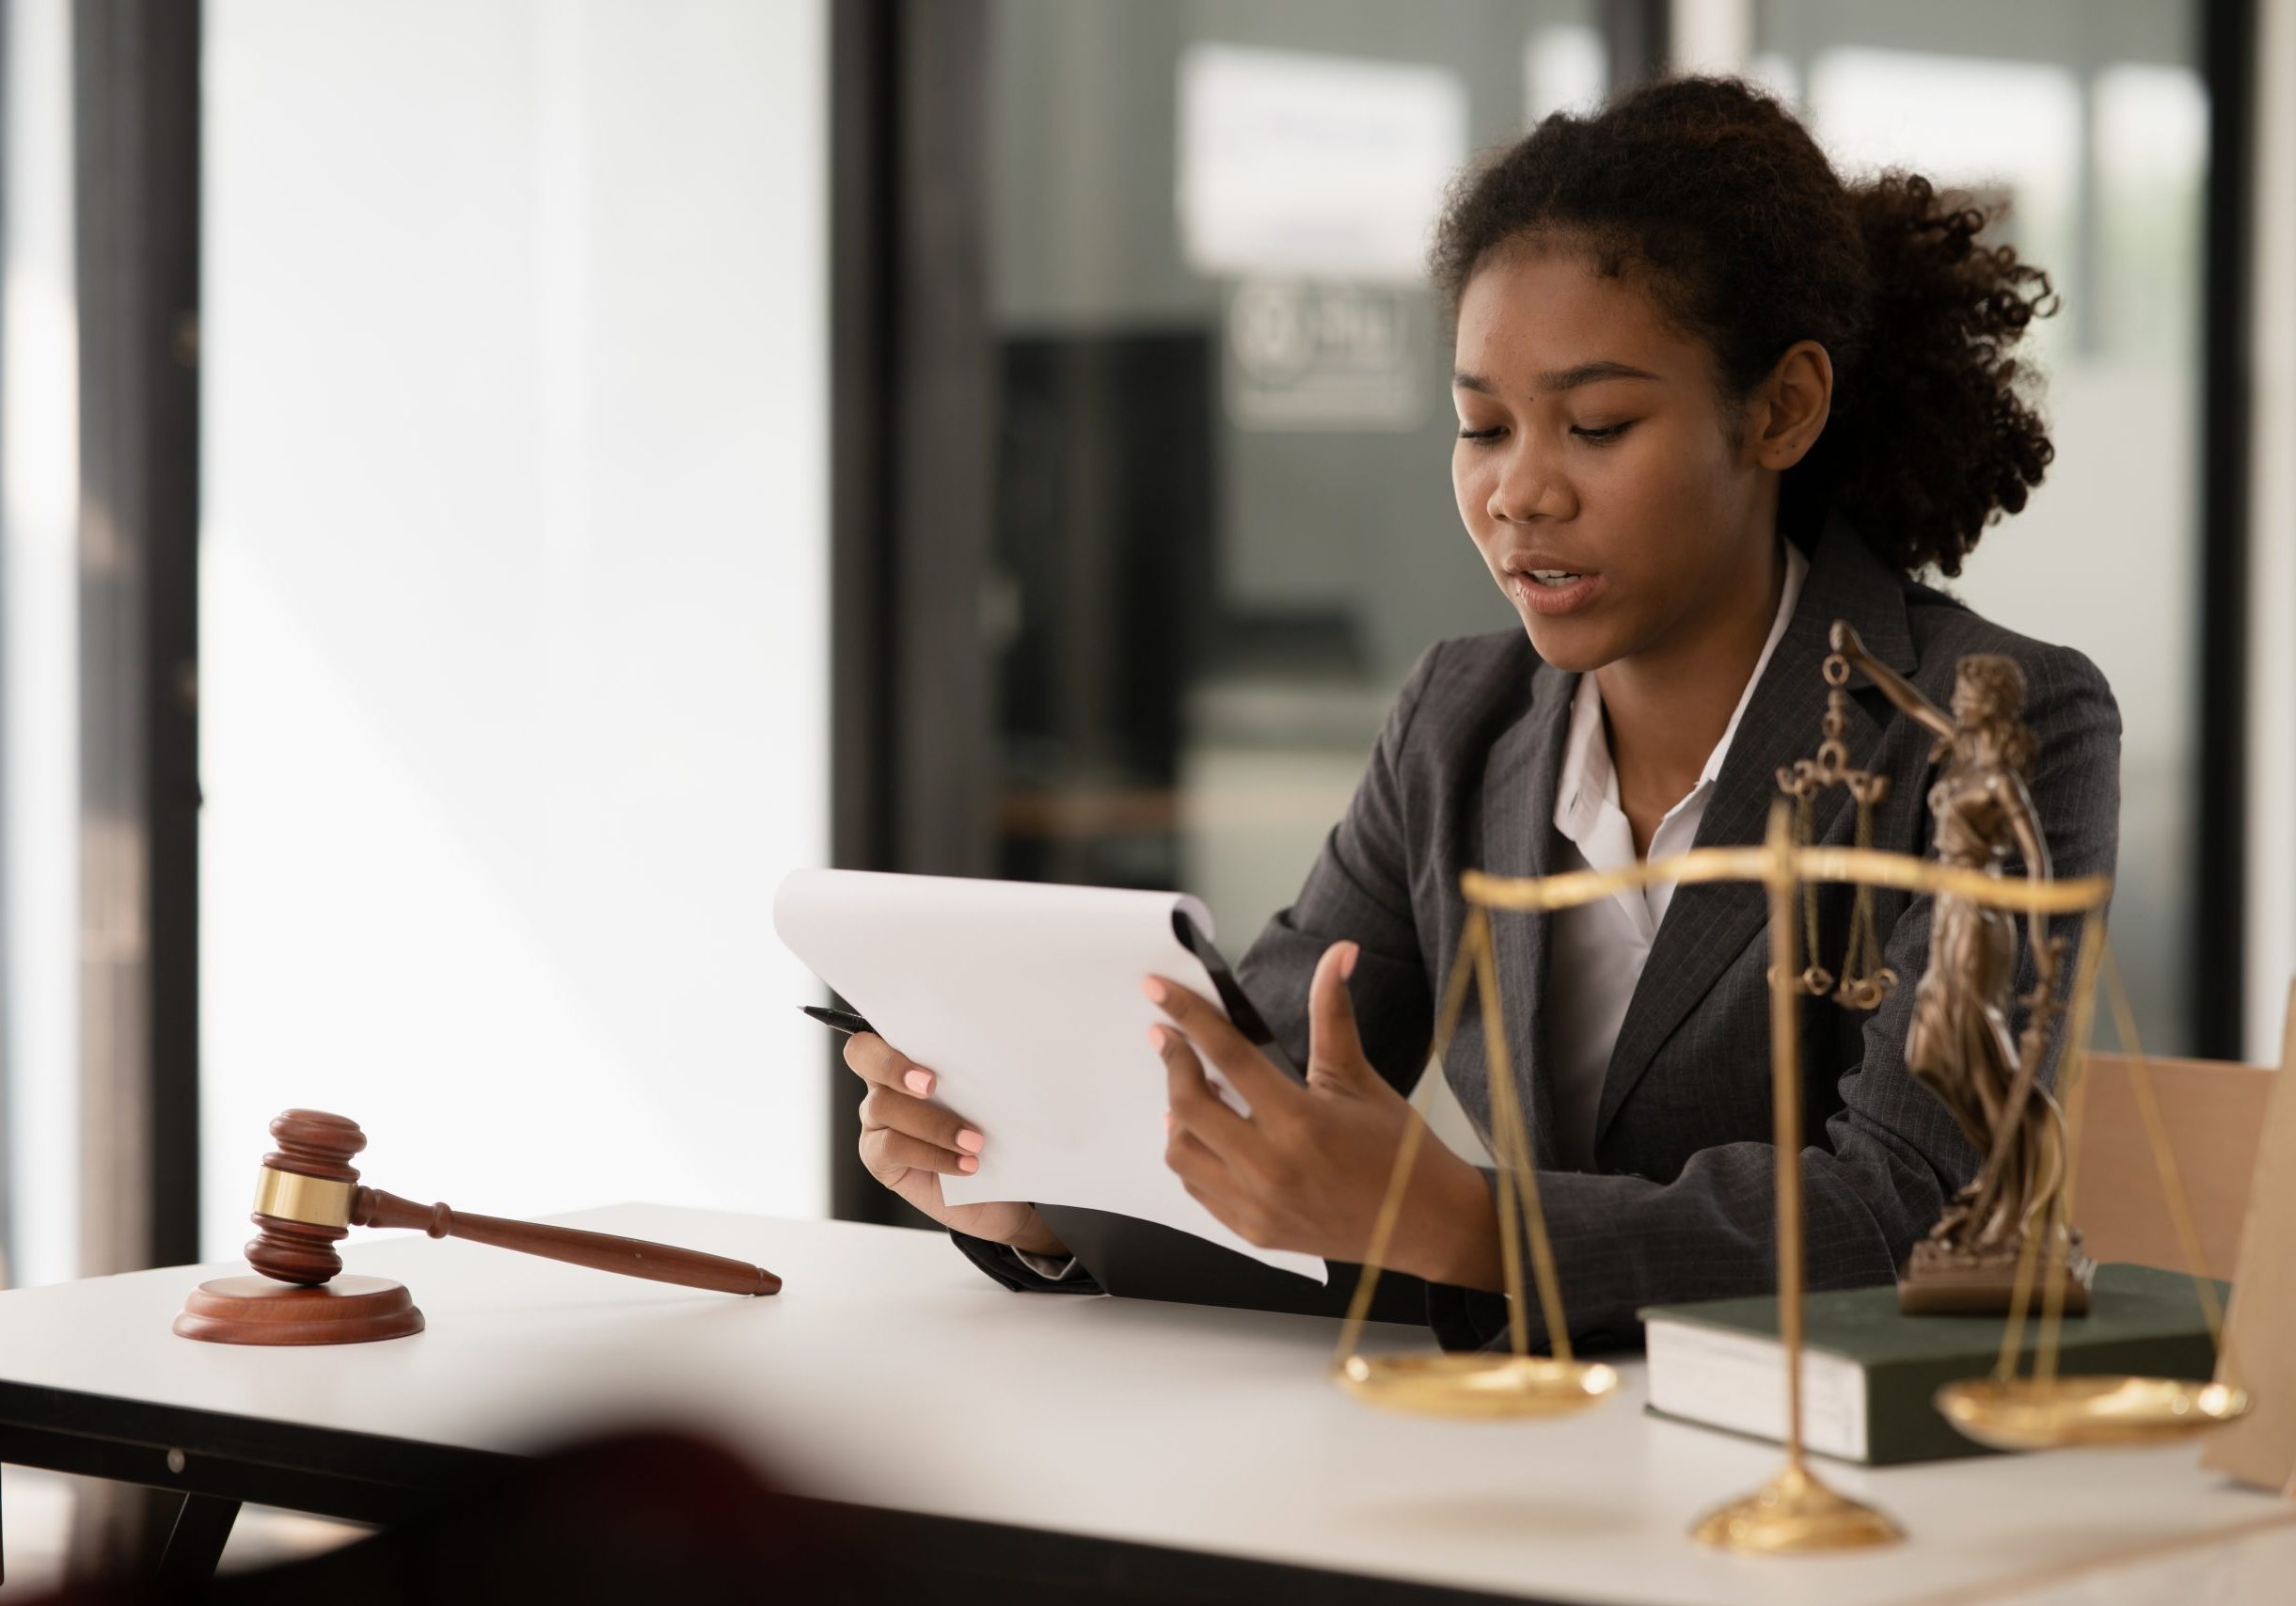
x=1711, y=400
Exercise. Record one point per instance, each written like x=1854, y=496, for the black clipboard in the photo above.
x=1143, y=1260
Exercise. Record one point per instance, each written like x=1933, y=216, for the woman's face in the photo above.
x=1596, y=466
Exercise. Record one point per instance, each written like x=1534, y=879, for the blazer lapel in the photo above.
x=1518, y=805
x=1708, y=925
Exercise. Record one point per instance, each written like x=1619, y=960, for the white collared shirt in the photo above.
x=1595, y=951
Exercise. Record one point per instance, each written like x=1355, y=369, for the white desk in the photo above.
x=890, y=1374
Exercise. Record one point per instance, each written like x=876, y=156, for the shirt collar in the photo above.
x=1797, y=570
x=1587, y=780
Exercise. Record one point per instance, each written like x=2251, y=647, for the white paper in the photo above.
x=1024, y=999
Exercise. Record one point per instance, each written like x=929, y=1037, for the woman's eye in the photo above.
x=1599, y=434
x=1491, y=434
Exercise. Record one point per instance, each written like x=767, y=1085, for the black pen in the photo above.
x=838, y=1020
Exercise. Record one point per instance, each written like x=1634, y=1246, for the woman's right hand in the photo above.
x=907, y=1142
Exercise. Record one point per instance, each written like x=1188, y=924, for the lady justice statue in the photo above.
x=1960, y=1046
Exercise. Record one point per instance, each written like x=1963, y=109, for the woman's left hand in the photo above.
x=1308, y=1171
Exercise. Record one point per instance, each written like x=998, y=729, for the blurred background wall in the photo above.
x=512, y=598
x=513, y=590
x=2269, y=370
x=40, y=910
x=646, y=445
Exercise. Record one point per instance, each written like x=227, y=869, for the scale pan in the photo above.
x=2068, y=1412
x=1486, y=1386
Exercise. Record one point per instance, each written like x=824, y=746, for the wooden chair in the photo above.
x=2213, y=1111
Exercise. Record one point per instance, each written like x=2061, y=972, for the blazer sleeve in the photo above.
x=1891, y=1158
x=1011, y=1268
x=1358, y=890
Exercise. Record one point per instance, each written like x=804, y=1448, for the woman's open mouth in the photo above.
x=1552, y=591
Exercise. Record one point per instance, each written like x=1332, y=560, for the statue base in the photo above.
x=1942, y=1280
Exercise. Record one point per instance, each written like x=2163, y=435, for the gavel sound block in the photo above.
x=308, y=1197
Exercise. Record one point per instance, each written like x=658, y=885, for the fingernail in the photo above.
x=1167, y=1120
x=919, y=1081
x=1346, y=966
x=969, y=1141
x=1154, y=989
x=1156, y=1039
x=968, y=1164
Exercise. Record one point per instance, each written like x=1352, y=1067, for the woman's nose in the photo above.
x=1527, y=488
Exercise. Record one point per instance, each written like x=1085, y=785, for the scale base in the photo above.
x=1793, y=1513
x=255, y=1309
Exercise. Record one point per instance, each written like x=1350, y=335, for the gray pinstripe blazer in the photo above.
x=1679, y=1202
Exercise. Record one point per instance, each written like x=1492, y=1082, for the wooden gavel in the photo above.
x=307, y=1197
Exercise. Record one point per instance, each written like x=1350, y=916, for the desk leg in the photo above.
x=195, y=1544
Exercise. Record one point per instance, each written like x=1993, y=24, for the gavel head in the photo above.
x=303, y=1197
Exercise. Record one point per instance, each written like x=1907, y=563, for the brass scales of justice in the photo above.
x=2009, y=1229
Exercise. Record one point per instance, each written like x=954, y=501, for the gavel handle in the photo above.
x=631, y=1257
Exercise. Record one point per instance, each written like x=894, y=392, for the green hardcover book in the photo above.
x=1869, y=1370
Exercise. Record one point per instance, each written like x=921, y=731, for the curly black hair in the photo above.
x=1750, y=241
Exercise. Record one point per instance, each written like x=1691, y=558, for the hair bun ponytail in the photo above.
x=1937, y=434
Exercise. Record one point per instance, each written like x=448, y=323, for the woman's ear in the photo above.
x=1791, y=407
